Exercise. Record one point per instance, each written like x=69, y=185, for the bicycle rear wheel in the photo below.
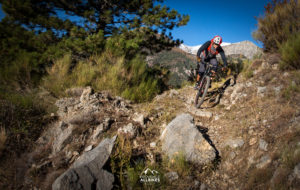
x=202, y=92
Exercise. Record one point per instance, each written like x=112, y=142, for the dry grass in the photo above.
x=256, y=64
x=279, y=181
x=3, y=138
x=178, y=163
x=258, y=179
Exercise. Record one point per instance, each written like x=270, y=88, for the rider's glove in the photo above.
x=198, y=59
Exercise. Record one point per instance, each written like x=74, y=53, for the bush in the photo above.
x=293, y=89
x=290, y=53
x=247, y=69
x=281, y=20
x=57, y=79
x=23, y=125
x=130, y=78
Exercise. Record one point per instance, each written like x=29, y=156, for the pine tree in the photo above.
x=110, y=16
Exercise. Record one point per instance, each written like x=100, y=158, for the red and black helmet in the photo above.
x=217, y=40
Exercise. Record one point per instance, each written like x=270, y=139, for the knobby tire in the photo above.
x=202, y=91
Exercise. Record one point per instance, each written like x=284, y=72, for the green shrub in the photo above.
x=132, y=78
x=134, y=172
x=178, y=163
x=290, y=53
x=58, y=76
x=281, y=20
x=293, y=88
x=246, y=69
x=289, y=92
x=120, y=159
x=23, y=125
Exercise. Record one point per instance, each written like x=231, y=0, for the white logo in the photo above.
x=148, y=176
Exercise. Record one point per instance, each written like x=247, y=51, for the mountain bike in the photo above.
x=203, y=86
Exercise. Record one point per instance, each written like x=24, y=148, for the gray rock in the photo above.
x=234, y=143
x=182, y=136
x=196, y=183
x=265, y=65
x=153, y=144
x=263, y=145
x=128, y=130
x=81, y=118
x=85, y=96
x=173, y=93
x=250, y=160
x=62, y=135
x=249, y=84
x=228, y=108
x=107, y=123
x=171, y=176
x=200, y=113
x=261, y=91
x=139, y=118
x=203, y=187
x=264, y=161
x=98, y=130
x=87, y=172
x=228, y=91
x=265, y=121
x=161, y=96
x=252, y=141
x=277, y=90
x=232, y=155
x=88, y=148
x=275, y=67
x=296, y=172
x=237, y=93
x=75, y=91
x=63, y=104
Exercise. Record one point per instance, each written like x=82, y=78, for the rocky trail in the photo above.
x=245, y=136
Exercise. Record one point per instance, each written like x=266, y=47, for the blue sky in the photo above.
x=232, y=19
x=1, y=12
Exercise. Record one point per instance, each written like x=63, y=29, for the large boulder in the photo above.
x=87, y=171
x=182, y=136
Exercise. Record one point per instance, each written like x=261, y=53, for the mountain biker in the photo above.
x=207, y=53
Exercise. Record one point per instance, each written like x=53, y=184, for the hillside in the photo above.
x=179, y=63
x=245, y=48
x=246, y=136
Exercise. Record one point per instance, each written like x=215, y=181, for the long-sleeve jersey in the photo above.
x=219, y=49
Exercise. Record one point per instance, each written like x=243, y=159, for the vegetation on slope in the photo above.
x=56, y=45
x=279, y=29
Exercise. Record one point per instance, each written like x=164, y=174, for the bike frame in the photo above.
x=207, y=72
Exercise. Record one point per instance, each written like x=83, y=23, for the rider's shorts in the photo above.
x=202, y=65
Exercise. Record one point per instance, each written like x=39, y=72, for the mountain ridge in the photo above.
x=246, y=48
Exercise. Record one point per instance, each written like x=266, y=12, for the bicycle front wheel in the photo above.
x=202, y=92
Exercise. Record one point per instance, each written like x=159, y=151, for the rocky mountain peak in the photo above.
x=245, y=48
